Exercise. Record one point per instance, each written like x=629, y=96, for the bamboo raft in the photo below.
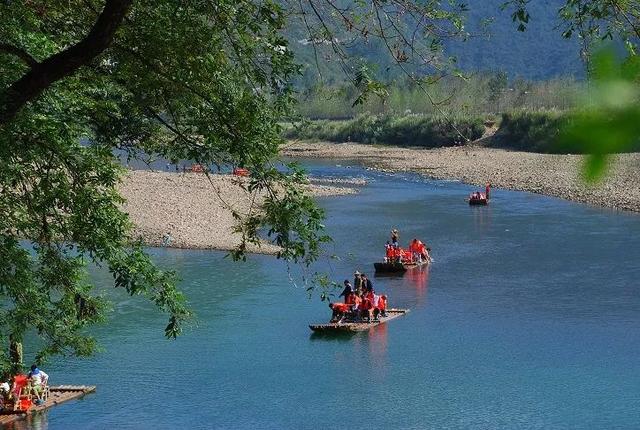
x=355, y=326
x=397, y=267
x=58, y=394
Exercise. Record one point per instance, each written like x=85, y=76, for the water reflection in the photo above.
x=481, y=217
x=418, y=280
x=34, y=421
x=378, y=345
x=341, y=336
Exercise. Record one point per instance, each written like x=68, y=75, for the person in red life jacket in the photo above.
x=424, y=251
x=388, y=252
x=375, y=302
x=407, y=257
x=350, y=298
x=414, y=249
x=369, y=295
x=366, y=309
x=339, y=311
x=486, y=190
x=398, y=254
x=382, y=305
x=357, y=302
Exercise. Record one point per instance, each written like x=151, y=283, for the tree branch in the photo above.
x=65, y=63
x=19, y=52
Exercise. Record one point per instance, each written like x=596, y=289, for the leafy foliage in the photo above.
x=609, y=121
x=202, y=81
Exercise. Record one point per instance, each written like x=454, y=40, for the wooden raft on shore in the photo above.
x=354, y=326
x=58, y=394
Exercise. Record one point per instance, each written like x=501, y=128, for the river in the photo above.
x=529, y=318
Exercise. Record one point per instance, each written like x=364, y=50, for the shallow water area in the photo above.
x=529, y=318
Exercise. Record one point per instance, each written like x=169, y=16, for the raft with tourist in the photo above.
x=480, y=199
x=353, y=326
x=362, y=308
x=398, y=260
x=25, y=394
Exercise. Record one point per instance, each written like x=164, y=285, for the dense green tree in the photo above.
x=197, y=80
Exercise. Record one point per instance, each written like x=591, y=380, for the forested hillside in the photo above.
x=494, y=45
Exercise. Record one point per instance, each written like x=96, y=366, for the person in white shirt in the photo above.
x=38, y=381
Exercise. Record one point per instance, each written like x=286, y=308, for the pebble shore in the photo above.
x=553, y=175
x=195, y=210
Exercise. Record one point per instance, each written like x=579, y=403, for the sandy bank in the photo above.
x=195, y=211
x=554, y=175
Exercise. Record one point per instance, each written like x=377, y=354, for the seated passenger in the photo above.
x=366, y=309
x=5, y=394
x=38, y=381
x=382, y=305
x=376, y=303
x=357, y=302
x=388, y=251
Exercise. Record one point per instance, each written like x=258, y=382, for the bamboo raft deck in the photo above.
x=355, y=326
x=58, y=394
x=393, y=268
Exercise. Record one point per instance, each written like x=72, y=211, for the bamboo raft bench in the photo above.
x=354, y=326
x=58, y=394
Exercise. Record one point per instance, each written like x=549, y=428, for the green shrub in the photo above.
x=411, y=130
x=535, y=131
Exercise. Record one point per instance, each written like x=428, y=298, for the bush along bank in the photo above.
x=542, y=131
x=532, y=131
x=411, y=130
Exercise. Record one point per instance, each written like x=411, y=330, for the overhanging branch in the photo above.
x=18, y=52
x=64, y=63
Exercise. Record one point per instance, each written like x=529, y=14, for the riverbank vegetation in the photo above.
x=409, y=130
x=529, y=113
x=520, y=115
x=481, y=94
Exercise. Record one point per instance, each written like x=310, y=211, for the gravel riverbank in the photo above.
x=195, y=212
x=554, y=175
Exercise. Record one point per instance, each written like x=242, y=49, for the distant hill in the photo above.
x=539, y=53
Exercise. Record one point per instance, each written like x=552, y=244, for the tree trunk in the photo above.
x=15, y=355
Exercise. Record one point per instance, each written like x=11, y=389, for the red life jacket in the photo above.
x=350, y=299
x=357, y=300
x=382, y=303
x=340, y=307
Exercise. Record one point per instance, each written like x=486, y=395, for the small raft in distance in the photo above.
x=350, y=326
x=480, y=199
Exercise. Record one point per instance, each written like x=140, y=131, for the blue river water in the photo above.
x=529, y=318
